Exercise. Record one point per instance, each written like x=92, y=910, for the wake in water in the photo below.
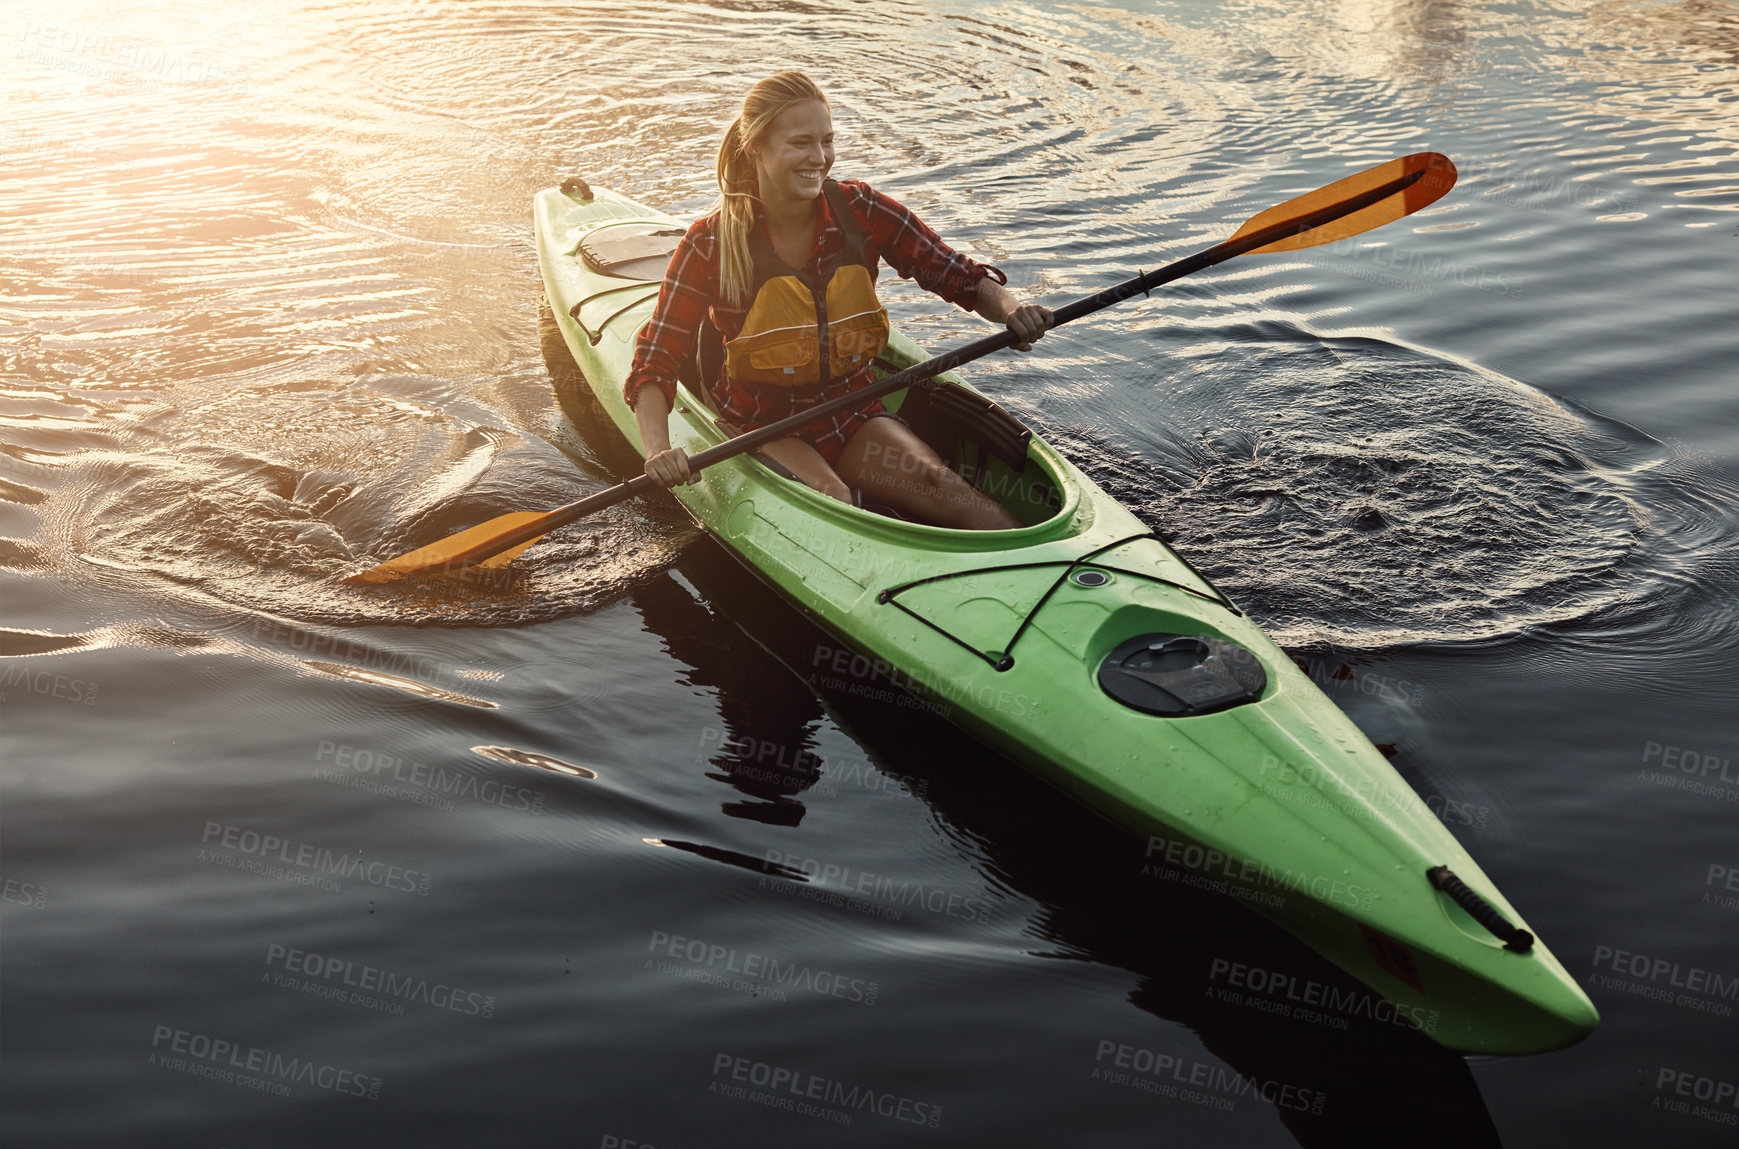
x=1354, y=493
x=1348, y=492
x=265, y=498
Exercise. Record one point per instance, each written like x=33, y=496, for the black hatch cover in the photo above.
x=1178, y=675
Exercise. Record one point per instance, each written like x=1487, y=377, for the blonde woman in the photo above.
x=785, y=269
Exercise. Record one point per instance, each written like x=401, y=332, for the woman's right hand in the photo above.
x=669, y=467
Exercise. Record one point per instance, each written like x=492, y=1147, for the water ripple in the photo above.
x=1354, y=493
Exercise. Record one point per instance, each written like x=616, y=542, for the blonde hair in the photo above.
x=739, y=187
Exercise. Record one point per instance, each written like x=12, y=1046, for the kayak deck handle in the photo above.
x=1515, y=939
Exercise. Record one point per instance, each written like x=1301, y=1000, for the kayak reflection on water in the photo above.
x=782, y=274
x=1219, y=992
x=763, y=742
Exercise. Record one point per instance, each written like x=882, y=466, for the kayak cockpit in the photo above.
x=976, y=437
x=982, y=443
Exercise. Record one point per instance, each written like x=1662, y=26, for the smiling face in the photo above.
x=796, y=155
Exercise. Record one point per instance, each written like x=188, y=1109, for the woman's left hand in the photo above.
x=1029, y=322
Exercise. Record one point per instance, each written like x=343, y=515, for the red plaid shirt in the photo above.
x=690, y=293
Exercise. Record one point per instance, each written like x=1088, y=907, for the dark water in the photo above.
x=271, y=309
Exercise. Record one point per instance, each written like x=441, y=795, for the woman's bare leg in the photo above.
x=804, y=461
x=890, y=464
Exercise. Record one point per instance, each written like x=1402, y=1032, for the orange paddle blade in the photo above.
x=1437, y=176
x=450, y=553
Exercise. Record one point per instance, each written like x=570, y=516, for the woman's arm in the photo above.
x=998, y=304
x=666, y=464
x=665, y=342
x=917, y=252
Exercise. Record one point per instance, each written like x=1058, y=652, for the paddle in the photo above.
x=1344, y=208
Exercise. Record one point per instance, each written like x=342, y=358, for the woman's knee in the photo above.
x=833, y=487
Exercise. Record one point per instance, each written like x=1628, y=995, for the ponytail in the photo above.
x=739, y=186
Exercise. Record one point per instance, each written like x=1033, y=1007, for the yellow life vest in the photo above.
x=813, y=326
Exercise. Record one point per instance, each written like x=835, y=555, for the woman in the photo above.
x=785, y=269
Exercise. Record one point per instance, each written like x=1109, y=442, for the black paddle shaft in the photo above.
x=947, y=361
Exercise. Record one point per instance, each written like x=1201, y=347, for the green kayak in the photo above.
x=1082, y=647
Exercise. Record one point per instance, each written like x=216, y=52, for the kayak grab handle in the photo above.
x=1515, y=940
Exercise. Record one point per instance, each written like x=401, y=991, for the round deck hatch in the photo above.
x=1179, y=675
